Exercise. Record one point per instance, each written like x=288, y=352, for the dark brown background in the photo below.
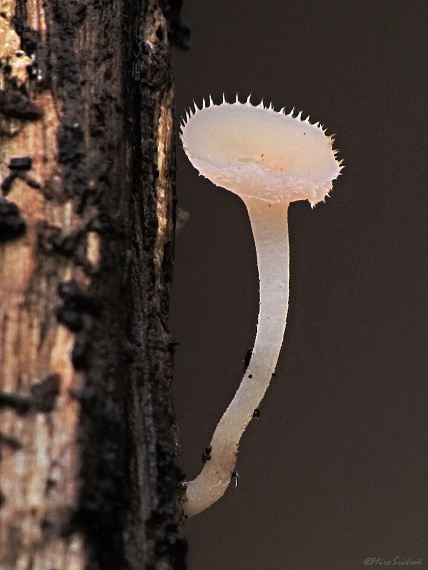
x=335, y=471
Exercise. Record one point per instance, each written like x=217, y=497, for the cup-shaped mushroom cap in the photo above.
x=260, y=153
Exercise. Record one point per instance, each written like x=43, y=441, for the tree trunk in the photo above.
x=88, y=474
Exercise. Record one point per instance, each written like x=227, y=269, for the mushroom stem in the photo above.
x=270, y=231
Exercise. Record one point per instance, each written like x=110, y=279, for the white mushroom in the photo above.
x=269, y=159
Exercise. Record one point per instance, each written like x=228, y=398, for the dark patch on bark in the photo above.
x=15, y=105
x=9, y=441
x=21, y=404
x=21, y=163
x=6, y=185
x=30, y=181
x=64, y=75
x=12, y=226
x=30, y=38
x=70, y=318
x=76, y=303
x=45, y=393
x=81, y=353
x=19, y=167
x=75, y=298
x=51, y=239
x=43, y=397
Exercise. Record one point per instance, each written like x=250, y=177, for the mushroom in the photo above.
x=269, y=159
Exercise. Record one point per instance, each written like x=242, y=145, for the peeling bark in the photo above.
x=88, y=473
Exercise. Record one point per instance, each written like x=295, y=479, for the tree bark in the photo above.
x=88, y=474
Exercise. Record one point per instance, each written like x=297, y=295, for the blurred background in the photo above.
x=334, y=474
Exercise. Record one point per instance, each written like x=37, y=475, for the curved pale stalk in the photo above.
x=270, y=231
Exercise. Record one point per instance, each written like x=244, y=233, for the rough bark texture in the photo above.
x=88, y=475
